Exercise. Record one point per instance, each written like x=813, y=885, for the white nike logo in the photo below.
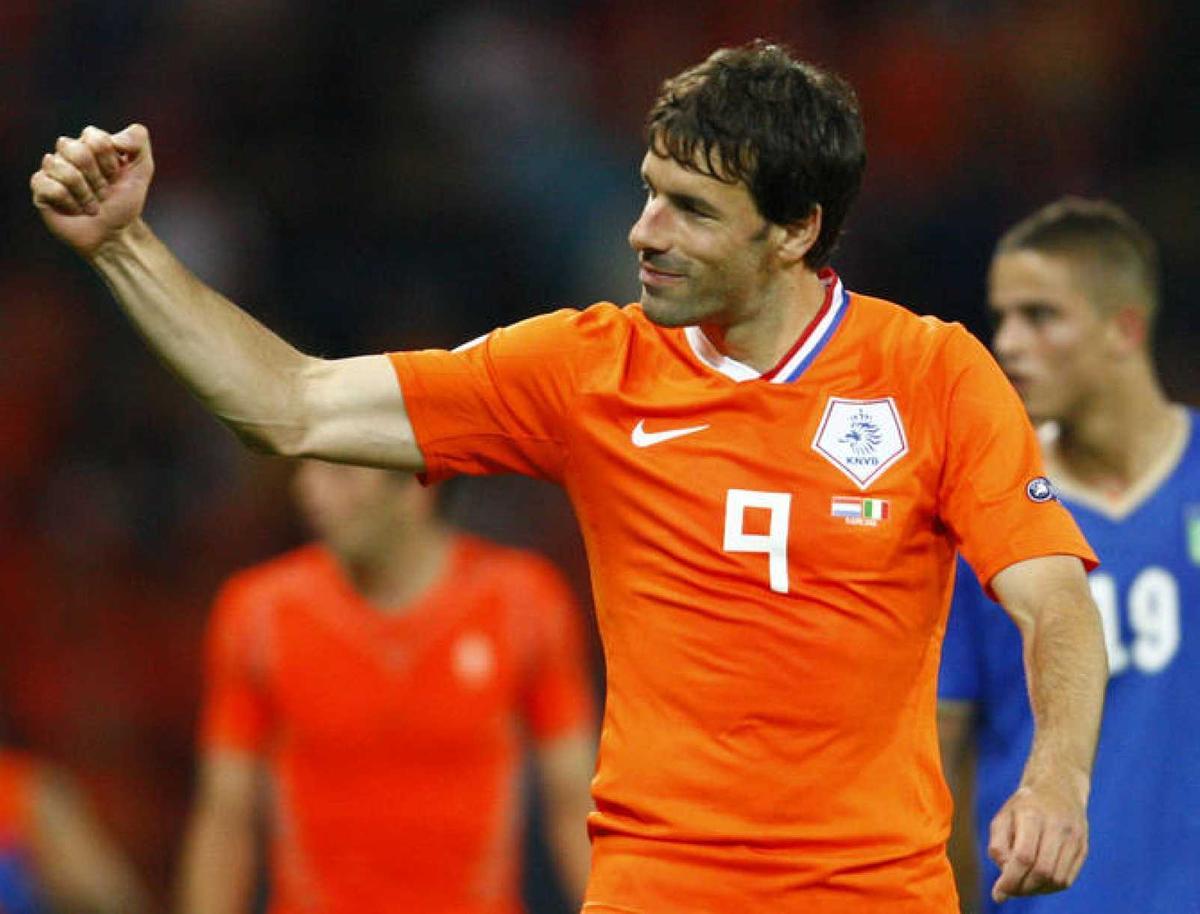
x=643, y=438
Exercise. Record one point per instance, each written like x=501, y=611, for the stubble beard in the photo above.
x=681, y=309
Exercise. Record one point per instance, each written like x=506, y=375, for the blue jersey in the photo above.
x=1144, y=811
x=18, y=894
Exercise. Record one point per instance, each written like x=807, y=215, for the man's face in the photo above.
x=702, y=246
x=1050, y=339
x=354, y=510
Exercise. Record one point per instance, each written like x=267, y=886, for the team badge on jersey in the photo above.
x=862, y=438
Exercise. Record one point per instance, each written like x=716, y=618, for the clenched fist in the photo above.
x=1039, y=839
x=91, y=188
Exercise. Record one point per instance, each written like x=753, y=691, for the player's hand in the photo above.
x=91, y=188
x=1039, y=839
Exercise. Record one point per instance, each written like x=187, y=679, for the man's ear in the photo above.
x=798, y=237
x=1130, y=327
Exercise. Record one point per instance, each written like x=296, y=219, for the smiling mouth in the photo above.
x=655, y=277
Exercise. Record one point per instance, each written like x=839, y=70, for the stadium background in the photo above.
x=372, y=175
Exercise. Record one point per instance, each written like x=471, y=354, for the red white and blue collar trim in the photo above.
x=818, y=332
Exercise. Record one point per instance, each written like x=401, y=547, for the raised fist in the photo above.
x=91, y=188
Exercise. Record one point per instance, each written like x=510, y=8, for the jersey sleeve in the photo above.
x=236, y=712
x=555, y=694
x=962, y=660
x=992, y=458
x=499, y=404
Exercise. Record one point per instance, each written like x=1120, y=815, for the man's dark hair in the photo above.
x=1116, y=257
x=787, y=129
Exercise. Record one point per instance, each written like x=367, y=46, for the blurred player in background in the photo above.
x=54, y=855
x=383, y=685
x=1073, y=290
x=772, y=476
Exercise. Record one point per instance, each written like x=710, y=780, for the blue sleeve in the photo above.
x=962, y=651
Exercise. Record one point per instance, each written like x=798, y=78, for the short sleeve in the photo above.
x=555, y=696
x=236, y=712
x=500, y=403
x=990, y=495
x=960, y=677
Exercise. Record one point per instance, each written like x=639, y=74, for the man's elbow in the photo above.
x=279, y=423
x=271, y=439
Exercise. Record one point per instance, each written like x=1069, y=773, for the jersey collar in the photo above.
x=799, y=357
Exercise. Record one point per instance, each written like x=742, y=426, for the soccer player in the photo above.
x=384, y=681
x=54, y=855
x=772, y=475
x=1074, y=291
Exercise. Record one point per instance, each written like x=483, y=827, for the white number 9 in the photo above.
x=1154, y=618
x=773, y=542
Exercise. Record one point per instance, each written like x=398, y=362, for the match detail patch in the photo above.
x=864, y=511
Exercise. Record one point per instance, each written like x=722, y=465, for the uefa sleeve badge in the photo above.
x=1041, y=489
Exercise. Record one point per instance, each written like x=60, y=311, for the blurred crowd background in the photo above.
x=372, y=175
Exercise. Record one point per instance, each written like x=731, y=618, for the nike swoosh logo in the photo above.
x=643, y=438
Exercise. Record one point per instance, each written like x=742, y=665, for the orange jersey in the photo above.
x=772, y=559
x=394, y=741
x=18, y=774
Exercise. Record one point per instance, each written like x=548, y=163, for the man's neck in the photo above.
x=764, y=336
x=1120, y=438
x=401, y=570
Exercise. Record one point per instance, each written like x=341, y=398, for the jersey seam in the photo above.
x=943, y=417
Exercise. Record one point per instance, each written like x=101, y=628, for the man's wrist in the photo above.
x=120, y=246
x=1075, y=778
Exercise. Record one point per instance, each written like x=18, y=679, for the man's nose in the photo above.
x=1009, y=339
x=648, y=232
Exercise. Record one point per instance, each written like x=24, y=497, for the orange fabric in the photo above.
x=18, y=777
x=761, y=750
x=394, y=741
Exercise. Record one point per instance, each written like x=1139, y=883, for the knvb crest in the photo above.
x=862, y=438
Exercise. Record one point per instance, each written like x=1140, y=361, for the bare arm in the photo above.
x=565, y=768
x=220, y=847
x=1039, y=837
x=955, y=729
x=80, y=866
x=90, y=193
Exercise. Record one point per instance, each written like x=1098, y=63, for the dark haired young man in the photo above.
x=772, y=476
x=1074, y=289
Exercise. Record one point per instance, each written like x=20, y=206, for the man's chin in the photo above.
x=667, y=313
x=1040, y=412
x=1033, y=398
